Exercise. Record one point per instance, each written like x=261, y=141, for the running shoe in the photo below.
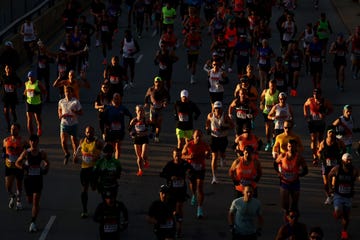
x=193, y=200
x=139, y=173
x=12, y=202
x=328, y=200
x=230, y=70
x=97, y=44
x=268, y=147
x=66, y=158
x=344, y=235
x=156, y=139
x=146, y=164
x=192, y=79
x=132, y=84
x=214, y=180
x=18, y=206
x=200, y=212
x=84, y=215
x=126, y=86
x=32, y=227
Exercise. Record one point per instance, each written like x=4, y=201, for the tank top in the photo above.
x=289, y=169
x=13, y=149
x=34, y=95
x=231, y=36
x=216, y=124
x=245, y=174
x=340, y=49
x=281, y=115
x=280, y=77
x=331, y=155
x=316, y=109
x=344, y=185
x=33, y=164
x=29, y=32
x=242, y=110
x=355, y=45
x=199, y=150
x=289, y=29
x=323, y=30
x=214, y=81
x=342, y=134
x=128, y=48
x=308, y=38
x=270, y=100
x=89, y=154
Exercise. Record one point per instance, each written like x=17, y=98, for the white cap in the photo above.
x=346, y=156
x=9, y=44
x=184, y=93
x=217, y=104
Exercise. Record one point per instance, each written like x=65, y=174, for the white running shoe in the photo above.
x=156, y=139
x=18, y=206
x=132, y=84
x=126, y=86
x=12, y=202
x=97, y=43
x=214, y=180
x=33, y=227
x=328, y=201
x=192, y=79
x=230, y=70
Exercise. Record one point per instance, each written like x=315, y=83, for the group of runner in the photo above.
x=240, y=33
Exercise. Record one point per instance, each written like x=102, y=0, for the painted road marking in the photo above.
x=47, y=228
x=139, y=58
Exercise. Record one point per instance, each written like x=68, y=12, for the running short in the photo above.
x=342, y=203
x=33, y=185
x=316, y=126
x=32, y=108
x=295, y=186
x=140, y=140
x=70, y=130
x=194, y=175
x=218, y=144
x=86, y=176
x=18, y=173
x=184, y=133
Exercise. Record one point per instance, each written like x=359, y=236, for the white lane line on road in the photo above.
x=139, y=58
x=47, y=228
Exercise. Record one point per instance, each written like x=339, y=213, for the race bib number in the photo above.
x=9, y=88
x=30, y=93
x=168, y=224
x=196, y=166
x=110, y=228
x=87, y=158
x=183, y=117
x=344, y=188
x=34, y=171
x=240, y=114
x=140, y=128
x=116, y=126
x=315, y=59
x=114, y=79
x=178, y=183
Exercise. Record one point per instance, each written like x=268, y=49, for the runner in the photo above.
x=175, y=172
x=195, y=152
x=292, y=229
x=35, y=164
x=268, y=98
x=217, y=78
x=185, y=111
x=107, y=172
x=29, y=32
x=192, y=43
x=246, y=171
x=69, y=109
x=242, y=52
x=218, y=123
x=323, y=30
x=73, y=82
x=290, y=166
x=281, y=140
x=157, y=98
x=168, y=16
x=316, y=108
x=90, y=148
x=316, y=67
x=280, y=113
x=112, y=217
x=13, y=146
x=264, y=55
x=242, y=223
x=161, y=216
x=355, y=52
x=307, y=36
x=279, y=72
x=115, y=74
x=114, y=119
x=329, y=154
x=139, y=128
x=342, y=180
x=10, y=83
x=345, y=127
x=247, y=138
x=102, y=100
x=340, y=49
x=34, y=90
x=294, y=59
x=128, y=48
x=245, y=111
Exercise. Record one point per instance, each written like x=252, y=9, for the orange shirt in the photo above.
x=245, y=174
x=289, y=169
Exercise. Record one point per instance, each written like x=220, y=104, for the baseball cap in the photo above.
x=347, y=107
x=282, y=95
x=157, y=78
x=9, y=44
x=31, y=74
x=164, y=188
x=217, y=104
x=184, y=93
x=317, y=90
x=346, y=156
